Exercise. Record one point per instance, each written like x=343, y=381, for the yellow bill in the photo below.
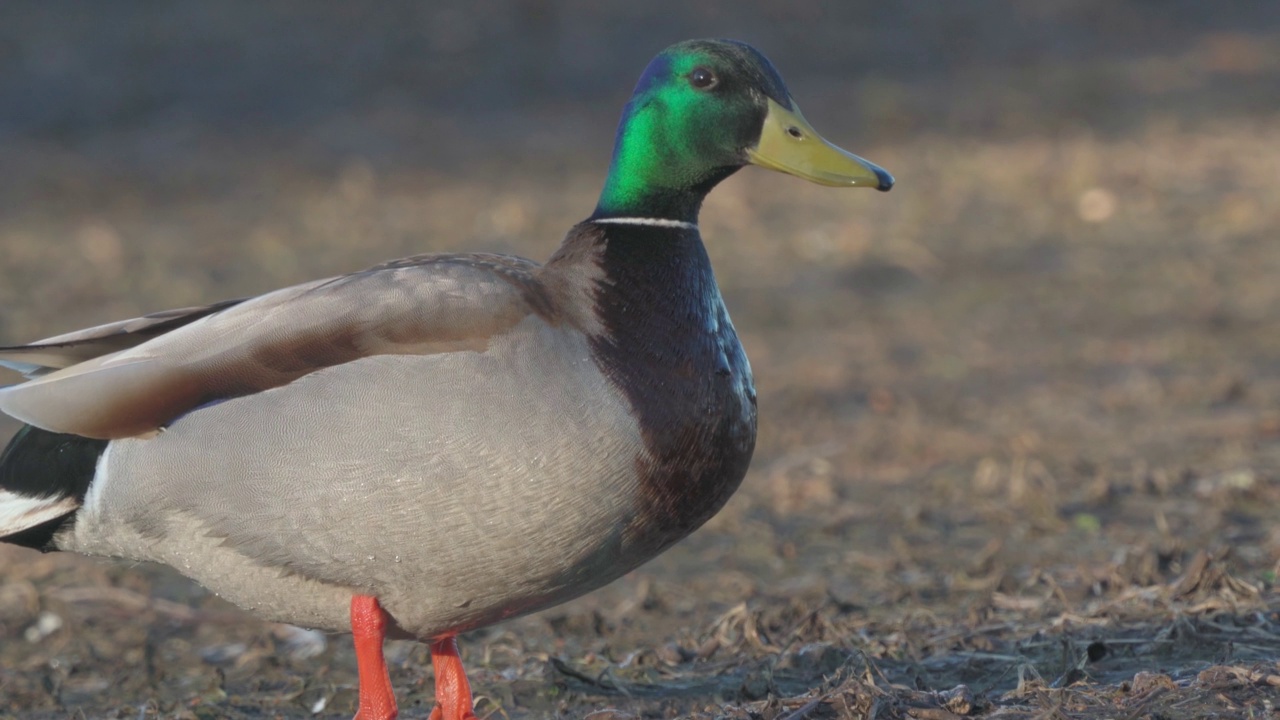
x=789, y=144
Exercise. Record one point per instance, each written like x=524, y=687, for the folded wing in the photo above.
x=134, y=377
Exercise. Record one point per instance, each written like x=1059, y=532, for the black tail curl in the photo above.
x=42, y=464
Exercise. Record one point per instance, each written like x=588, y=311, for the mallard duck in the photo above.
x=437, y=443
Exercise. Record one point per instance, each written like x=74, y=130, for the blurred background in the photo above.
x=1026, y=403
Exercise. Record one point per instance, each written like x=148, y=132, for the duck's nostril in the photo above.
x=794, y=132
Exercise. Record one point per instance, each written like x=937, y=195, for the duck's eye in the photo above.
x=702, y=78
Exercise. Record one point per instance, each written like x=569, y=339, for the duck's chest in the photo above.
x=667, y=343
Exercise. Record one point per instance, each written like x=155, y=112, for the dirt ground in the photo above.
x=1019, y=450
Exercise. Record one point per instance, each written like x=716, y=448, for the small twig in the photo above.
x=604, y=680
x=803, y=711
x=565, y=668
x=932, y=714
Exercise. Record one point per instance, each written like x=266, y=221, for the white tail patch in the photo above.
x=22, y=512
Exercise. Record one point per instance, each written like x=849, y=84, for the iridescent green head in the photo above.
x=703, y=109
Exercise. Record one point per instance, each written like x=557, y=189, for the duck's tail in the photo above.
x=43, y=480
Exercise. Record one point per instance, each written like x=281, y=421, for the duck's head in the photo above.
x=702, y=110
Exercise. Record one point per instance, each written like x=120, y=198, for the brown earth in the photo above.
x=1020, y=418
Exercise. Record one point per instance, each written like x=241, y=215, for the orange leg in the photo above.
x=369, y=628
x=453, y=692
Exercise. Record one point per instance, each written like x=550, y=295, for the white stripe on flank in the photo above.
x=93, y=496
x=20, y=512
x=655, y=222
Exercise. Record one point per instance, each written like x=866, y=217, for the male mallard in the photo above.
x=441, y=442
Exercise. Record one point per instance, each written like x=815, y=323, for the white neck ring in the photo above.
x=651, y=222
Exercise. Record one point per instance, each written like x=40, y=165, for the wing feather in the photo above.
x=63, y=351
x=424, y=305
